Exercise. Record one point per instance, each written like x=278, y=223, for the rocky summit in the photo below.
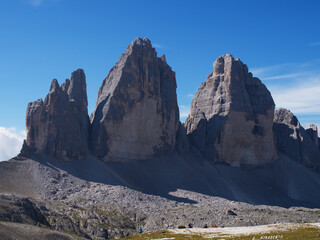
x=294, y=141
x=231, y=115
x=313, y=133
x=58, y=126
x=136, y=114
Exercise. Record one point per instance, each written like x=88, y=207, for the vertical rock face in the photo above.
x=293, y=140
x=313, y=133
x=136, y=114
x=231, y=116
x=58, y=126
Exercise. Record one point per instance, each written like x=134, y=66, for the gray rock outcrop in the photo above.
x=231, y=116
x=21, y=210
x=313, y=133
x=293, y=140
x=58, y=126
x=136, y=114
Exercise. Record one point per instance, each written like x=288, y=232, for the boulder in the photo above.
x=293, y=140
x=58, y=126
x=231, y=116
x=136, y=114
x=230, y=212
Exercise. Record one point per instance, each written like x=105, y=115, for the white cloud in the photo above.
x=287, y=70
x=11, y=141
x=290, y=75
x=190, y=95
x=312, y=63
x=295, y=86
x=156, y=45
x=263, y=71
x=303, y=98
x=184, y=111
x=315, y=43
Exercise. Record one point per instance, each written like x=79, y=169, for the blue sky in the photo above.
x=46, y=39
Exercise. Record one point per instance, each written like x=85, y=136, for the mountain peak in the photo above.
x=139, y=93
x=140, y=44
x=59, y=125
x=231, y=99
x=227, y=63
x=54, y=85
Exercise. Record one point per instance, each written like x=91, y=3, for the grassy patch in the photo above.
x=164, y=234
x=295, y=234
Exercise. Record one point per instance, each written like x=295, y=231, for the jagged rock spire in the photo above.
x=136, y=114
x=313, y=133
x=231, y=116
x=58, y=126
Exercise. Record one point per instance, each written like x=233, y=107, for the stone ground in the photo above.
x=61, y=198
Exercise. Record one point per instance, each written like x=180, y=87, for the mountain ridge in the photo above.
x=132, y=161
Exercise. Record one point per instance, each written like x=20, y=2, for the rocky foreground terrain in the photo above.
x=234, y=162
x=109, y=207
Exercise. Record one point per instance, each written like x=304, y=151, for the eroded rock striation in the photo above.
x=58, y=126
x=136, y=114
x=231, y=116
x=293, y=140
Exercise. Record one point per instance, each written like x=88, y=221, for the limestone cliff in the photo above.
x=58, y=126
x=231, y=116
x=136, y=114
x=294, y=141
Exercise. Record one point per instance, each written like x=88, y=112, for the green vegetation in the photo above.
x=164, y=234
x=296, y=234
x=77, y=218
x=60, y=205
x=181, y=227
